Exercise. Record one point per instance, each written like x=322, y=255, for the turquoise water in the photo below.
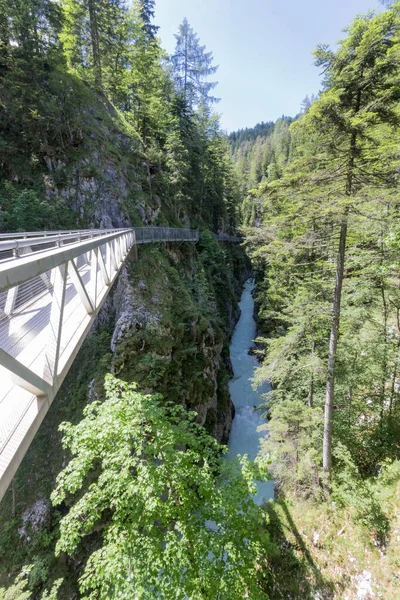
x=244, y=437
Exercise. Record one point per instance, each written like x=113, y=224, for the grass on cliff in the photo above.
x=327, y=553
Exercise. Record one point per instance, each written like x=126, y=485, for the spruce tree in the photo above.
x=96, y=38
x=336, y=191
x=147, y=16
x=192, y=65
x=361, y=93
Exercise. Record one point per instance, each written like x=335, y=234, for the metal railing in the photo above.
x=224, y=237
x=17, y=245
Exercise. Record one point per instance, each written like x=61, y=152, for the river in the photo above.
x=244, y=437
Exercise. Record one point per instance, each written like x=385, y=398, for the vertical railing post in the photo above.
x=11, y=300
x=93, y=276
x=55, y=326
x=117, y=252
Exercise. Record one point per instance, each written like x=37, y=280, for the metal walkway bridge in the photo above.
x=52, y=287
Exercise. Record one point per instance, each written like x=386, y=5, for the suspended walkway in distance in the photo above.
x=52, y=287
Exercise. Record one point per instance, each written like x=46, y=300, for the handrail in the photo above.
x=17, y=272
x=59, y=239
x=49, y=233
x=22, y=244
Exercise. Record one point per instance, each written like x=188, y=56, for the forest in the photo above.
x=100, y=127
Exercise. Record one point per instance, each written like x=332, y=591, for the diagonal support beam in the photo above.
x=46, y=280
x=80, y=287
x=24, y=377
x=43, y=276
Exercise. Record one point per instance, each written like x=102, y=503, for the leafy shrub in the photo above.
x=176, y=519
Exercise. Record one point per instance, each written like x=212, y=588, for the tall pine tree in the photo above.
x=192, y=65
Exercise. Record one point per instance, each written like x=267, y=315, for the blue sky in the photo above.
x=263, y=49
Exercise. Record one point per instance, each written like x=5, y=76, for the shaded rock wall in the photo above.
x=170, y=335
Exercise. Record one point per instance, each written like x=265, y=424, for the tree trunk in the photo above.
x=94, y=35
x=333, y=340
x=310, y=398
x=330, y=383
x=13, y=503
x=186, y=68
x=392, y=389
x=396, y=366
x=4, y=40
x=385, y=352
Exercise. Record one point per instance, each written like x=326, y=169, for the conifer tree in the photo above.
x=192, y=65
x=95, y=37
x=337, y=189
x=147, y=16
x=32, y=27
x=4, y=39
x=351, y=110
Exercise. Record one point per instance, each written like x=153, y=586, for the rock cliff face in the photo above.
x=100, y=191
x=108, y=183
x=170, y=335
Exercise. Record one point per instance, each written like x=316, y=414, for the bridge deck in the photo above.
x=25, y=337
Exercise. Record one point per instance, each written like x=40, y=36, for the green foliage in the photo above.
x=350, y=490
x=338, y=182
x=168, y=526
x=17, y=591
x=292, y=446
x=259, y=155
x=24, y=211
x=225, y=282
x=52, y=594
x=96, y=50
